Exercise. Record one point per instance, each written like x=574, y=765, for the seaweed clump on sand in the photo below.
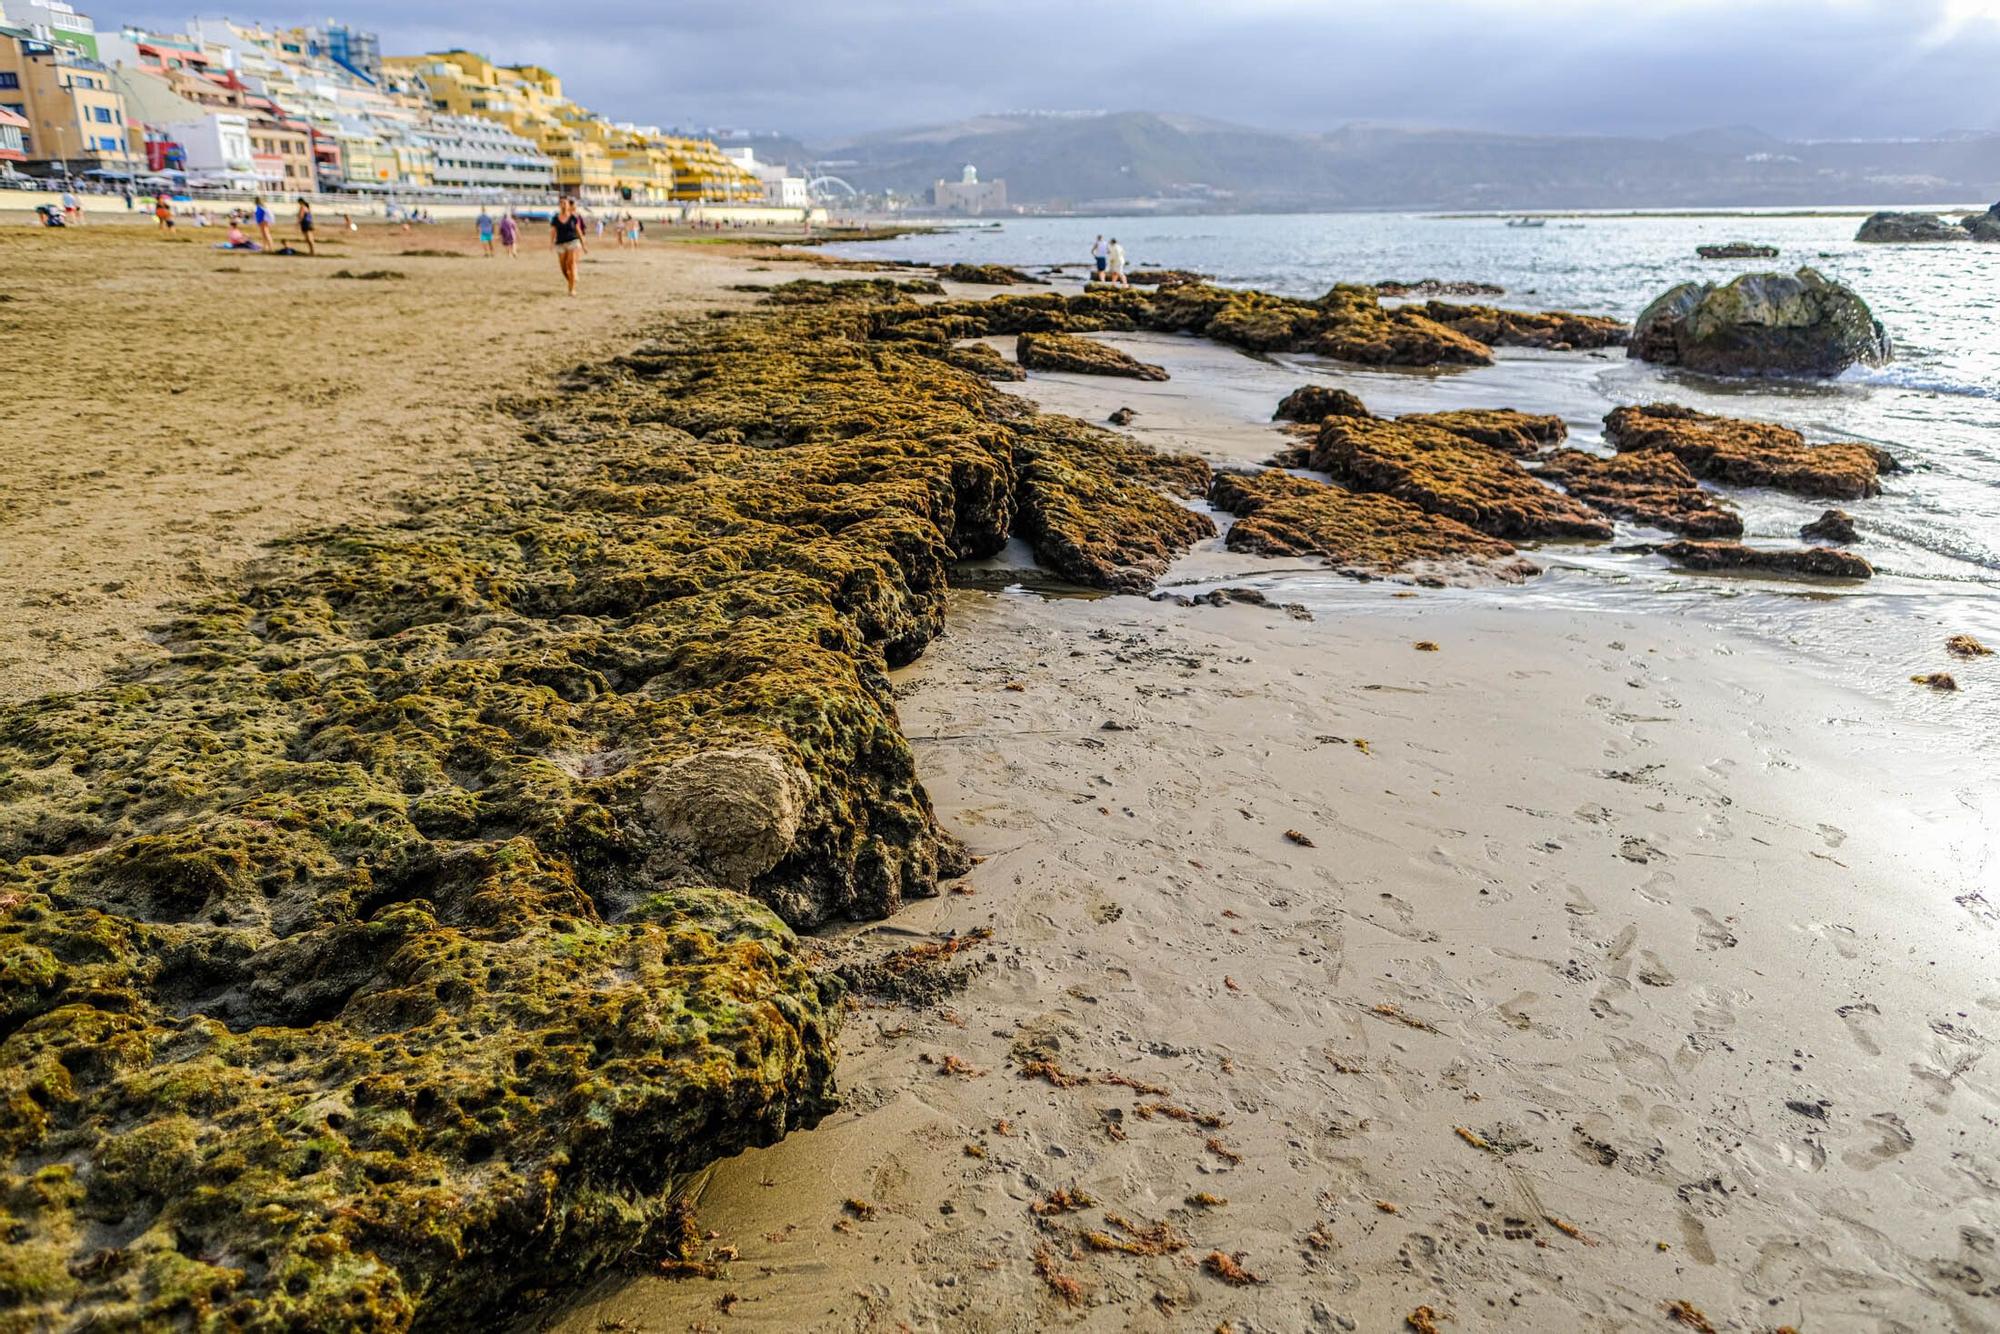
x=1080, y=356
x=1361, y=535
x=1649, y=486
x=1443, y=472
x=386, y=950
x=1824, y=562
x=1747, y=453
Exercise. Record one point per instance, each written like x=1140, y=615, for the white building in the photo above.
x=217, y=147
x=969, y=194
x=61, y=21
x=476, y=154
x=781, y=189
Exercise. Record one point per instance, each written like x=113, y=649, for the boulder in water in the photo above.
x=1822, y=561
x=1983, y=226
x=1836, y=526
x=1317, y=402
x=1907, y=228
x=1737, y=250
x=1761, y=324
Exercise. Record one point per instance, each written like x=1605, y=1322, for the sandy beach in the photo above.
x=1436, y=958
x=188, y=405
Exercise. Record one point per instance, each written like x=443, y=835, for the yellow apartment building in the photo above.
x=76, y=119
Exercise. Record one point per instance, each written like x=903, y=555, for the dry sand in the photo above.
x=170, y=407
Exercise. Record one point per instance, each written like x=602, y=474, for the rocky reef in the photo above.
x=1443, y=472
x=1080, y=356
x=1737, y=250
x=1401, y=287
x=1761, y=324
x=987, y=275
x=1648, y=486
x=388, y=949
x=1313, y=403
x=1835, y=526
x=1505, y=429
x=1165, y=277
x=1822, y=562
x=1359, y=534
x=1747, y=453
x=1551, y=330
x=1911, y=228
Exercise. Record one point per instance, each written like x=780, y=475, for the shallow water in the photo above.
x=1933, y=535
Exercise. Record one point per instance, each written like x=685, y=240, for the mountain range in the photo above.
x=1145, y=159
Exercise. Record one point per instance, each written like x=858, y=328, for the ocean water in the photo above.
x=1933, y=536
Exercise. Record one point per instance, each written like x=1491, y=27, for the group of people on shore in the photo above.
x=1107, y=261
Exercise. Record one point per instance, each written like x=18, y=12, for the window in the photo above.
x=102, y=115
x=9, y=79
x=108, y=144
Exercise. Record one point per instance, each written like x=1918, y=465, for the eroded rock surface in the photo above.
x=989, y=275
x=1737, y=250
x=388, y=949
x=1747, y=453
x=1080, y=356
x=1648, y=486
x=1314, y=403
x=1359, y=534
x=1444, y=473
x=1559, y=330
x=1518, y=433
x=1904, y=228
x=1836, y=526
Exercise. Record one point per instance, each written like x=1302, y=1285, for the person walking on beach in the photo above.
x=306, y=226
x=1100, y=255
x=262, y=216
x=566, y=238
x=486, y=232
x=1116, y=257
x=510, y=232
x=163, y=211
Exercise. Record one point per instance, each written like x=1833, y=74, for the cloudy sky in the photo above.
x=821, y=68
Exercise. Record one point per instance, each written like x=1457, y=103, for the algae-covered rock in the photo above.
x=1080, y=356
x=1314, y=403
x=983, y=360
x=1761, y=324
x=1359, y=534
x=990, y=275
x=1822, y=562
x=1549, y=330
x=1506, y=429
x=1444, y=473
x=1835, y=526
x=1747, y=453
x=1649, y=486
x=388, y=949
x=1737, y=250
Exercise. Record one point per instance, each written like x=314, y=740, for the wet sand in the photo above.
x=1626, y=960
x=172, y=407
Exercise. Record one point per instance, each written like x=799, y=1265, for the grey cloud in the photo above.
x=822, y=70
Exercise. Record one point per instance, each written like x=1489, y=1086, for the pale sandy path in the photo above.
x=1699, y=949
x=167, y=408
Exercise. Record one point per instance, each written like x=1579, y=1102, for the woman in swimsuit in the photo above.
x=566, y=238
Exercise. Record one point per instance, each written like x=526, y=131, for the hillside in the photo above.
x=1075, y=161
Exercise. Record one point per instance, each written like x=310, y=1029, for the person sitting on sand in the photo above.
x=262, y=216
x=306, y=226
x=566, y=239
x=237, y=239
x=510, y=232
x=1100, y=255
x=486, y=232
x=1116, y=256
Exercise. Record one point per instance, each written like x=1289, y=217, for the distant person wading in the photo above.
x=1100, y=256
x=566, y=237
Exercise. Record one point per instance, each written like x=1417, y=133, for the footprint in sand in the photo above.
x=1653, y=972
x=1832, y=834
x=1856, y=1017
x=1711, y=934
x=1636, y=849
x=1892, y=1140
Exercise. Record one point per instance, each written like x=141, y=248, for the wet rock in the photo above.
x=1436, y=287
x=1122, y=417
x=394, y=943
x=1747, y=453
x=1518, y=433
x=989, y=275
x=1737, y=250
x=1080, y=356
x=1965, y=646
x=1823, y=561
x=1313, y=403
x=1444, y=473
x=1905, y=228
x=1835, y=526
x=1358, y=534
x=1761, y=324
x=1529, y=328
x=1164, y=277
x=823, y=292
x=1649, y=486
x=1983, y=226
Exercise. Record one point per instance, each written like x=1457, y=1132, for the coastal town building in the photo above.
x=782, y=189
x=969, y=194
x=13, y=129
x=55, y=21
x=76, y=119
x=476, y=154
